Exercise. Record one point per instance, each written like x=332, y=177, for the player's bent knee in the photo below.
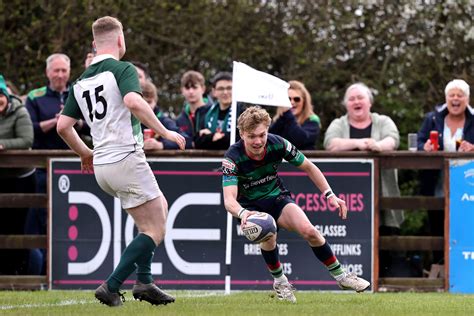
x=270, y=243
x=311, y=234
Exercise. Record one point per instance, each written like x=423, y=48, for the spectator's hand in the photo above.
x=373, y=145
x=87, y=165
x=428, y=146
x=217, y=136
x=60, y=111
x=245, y=216
x=177, y=138
x=152, y=144
x=361, y=143
x=205, y=131
x=2, y=147
x=466, y=146
x=339, y=203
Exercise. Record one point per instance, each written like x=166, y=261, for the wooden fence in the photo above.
x=386, y=160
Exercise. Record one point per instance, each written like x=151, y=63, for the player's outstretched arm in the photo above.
x=65, y=129
x=315, y=174
x=141, y=110
x=230, y=200
x=234, y=207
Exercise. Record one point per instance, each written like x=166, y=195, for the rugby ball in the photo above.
x=259, y=227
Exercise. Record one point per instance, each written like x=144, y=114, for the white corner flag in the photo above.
x=259, y=88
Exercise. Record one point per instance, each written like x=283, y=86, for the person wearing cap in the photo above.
x=16, y=132
x=16, y=129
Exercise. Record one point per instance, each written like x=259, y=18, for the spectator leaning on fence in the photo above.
x=299, y=125
x=155, y=142
x=361, y=129
x=196, y=104
x=16, y=132
x=214, y=128
x=454, y=122
x=16, y=129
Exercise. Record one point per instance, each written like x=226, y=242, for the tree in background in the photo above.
x=406, y=51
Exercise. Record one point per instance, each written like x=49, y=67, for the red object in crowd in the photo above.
x=148, y=133
x=434, y=138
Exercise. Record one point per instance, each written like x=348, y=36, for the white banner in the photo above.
x=257, y=87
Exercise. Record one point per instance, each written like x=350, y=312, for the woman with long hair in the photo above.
x=298, y=124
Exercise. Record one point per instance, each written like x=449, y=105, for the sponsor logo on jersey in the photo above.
x=259, y=181
x=228, y=167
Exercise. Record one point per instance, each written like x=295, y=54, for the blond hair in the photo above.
x=105, y=26
x=307, y=109
x=251, y=118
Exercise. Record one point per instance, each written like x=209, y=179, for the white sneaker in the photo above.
x=284, y=291
x=352, y=282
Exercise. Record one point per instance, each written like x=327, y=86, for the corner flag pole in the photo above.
x=228, y=242
x=252, y=86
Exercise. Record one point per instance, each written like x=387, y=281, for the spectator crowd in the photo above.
x=205, y=123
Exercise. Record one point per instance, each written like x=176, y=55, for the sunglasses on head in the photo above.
x=296, y=99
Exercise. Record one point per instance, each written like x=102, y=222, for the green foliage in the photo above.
x=415, y=221
x=405, y=50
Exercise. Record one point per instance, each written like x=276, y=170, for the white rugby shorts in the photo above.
x=130, y=179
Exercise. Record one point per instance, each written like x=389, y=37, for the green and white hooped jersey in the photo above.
x=98, y=99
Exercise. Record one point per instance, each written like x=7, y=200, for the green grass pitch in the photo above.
x=240, y=303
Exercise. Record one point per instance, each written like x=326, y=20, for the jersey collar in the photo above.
x=99, y=58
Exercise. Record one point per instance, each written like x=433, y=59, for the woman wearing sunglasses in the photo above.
x=298, y=124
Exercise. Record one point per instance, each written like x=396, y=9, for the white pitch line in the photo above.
x=84, y=302
x=200, y=294
x=62, y=303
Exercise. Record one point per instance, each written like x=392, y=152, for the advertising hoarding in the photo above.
x=89, y=230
